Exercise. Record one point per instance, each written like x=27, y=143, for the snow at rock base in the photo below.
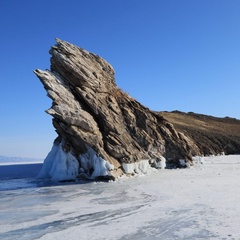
x=144, y=166
x=63, y=166
x=90, y=162
x=59, y=165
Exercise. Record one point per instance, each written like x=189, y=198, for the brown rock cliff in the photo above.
x=90, y=111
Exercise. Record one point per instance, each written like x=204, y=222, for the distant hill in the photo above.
x=211, y=134
x=4, y=159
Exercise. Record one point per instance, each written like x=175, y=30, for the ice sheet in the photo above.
x=201, y=202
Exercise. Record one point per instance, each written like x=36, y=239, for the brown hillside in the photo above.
x=211, y=134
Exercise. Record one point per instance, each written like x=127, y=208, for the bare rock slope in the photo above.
x=90, y=112
x=212, y=135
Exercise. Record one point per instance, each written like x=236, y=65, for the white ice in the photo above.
x=98, y=166
x=59, y=165
x=143, y=166
x=200, y=202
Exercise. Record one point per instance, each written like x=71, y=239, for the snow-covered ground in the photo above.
x=197, y=203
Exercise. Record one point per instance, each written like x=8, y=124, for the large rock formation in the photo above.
x=100, y=128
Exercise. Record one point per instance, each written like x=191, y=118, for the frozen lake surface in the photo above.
x=197, y=203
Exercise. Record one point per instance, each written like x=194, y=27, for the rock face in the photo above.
x=90, y=113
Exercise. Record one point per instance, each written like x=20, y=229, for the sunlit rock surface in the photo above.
x=90, y=113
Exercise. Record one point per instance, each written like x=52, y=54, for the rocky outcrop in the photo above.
x=90, y=113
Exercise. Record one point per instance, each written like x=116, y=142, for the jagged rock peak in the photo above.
x=90, y=112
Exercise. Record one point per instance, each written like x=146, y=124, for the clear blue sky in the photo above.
x=168, y=54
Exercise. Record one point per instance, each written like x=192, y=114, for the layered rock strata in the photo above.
x=97, y=122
